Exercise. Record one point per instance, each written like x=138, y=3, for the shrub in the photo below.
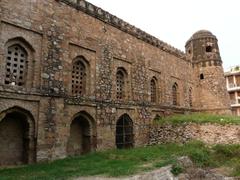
x=176, y=169
x=229, y=151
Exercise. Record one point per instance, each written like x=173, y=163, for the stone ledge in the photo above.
x=118, y=23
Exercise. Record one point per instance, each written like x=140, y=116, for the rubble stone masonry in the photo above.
x=208, y=133
x=75, y=79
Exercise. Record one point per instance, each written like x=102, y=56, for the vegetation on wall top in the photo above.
x=199, y=118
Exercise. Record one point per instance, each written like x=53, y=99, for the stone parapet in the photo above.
x=118, y=23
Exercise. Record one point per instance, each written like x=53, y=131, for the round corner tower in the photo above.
x=210, y=87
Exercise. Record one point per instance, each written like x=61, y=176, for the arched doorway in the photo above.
x=17, y=138
x=124, y=132
x=81, y=136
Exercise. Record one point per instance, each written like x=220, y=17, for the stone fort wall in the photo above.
x=208, y=133
x=128, y=77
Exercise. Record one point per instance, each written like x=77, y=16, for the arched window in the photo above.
x=190, y=97
x=79, y=77
x=175, y=94
x=120, y=83
x=153, y=88
x=16, y=65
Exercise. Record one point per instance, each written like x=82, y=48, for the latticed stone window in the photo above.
x=175, y=94
x=120, y=84
x=16, y=65
x=78, y=78
x=153, y=90
x=190, y=97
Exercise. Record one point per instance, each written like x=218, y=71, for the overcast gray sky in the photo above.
x=174, y=21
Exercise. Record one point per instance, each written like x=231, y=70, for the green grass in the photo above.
x=199, y=118
x=127, y=162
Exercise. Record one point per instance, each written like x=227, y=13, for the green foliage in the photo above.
x=200, y=157
x=199, y=118
x=236, y=171
x=228, y=155
x=230, y=151
x=237, y=68
x=176, y=169
x=131, y=161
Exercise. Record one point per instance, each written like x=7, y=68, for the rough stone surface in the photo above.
x=190, y=172
x=159, y=174
x=208, y=133
x=55, y=34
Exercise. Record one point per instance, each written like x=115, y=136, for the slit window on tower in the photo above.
x=190, y=97
x=175, y=98
x=201, y=76
x=16, y=65
x=153, y=90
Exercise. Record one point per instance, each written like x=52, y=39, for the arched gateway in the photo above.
x=82, y=138
x=17, y=140
x=124, y=132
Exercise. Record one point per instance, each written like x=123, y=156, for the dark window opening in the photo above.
x=175, y=95
x=201, y=76
x=190, y=97
x=209, y=49
x=153, y=90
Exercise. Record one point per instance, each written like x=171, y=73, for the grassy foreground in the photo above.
x=199, y=118
x=126, y=162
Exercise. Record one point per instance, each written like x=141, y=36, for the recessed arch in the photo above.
x=82, y=138
x=124, y=132
x=153, y=90
x=21, y=41
x=175, y=94
x=123, y=70
x=17, y=137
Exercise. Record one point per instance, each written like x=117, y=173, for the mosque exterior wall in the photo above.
x=81, y=79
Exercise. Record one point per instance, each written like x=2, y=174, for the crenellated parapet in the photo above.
x=118, y=23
